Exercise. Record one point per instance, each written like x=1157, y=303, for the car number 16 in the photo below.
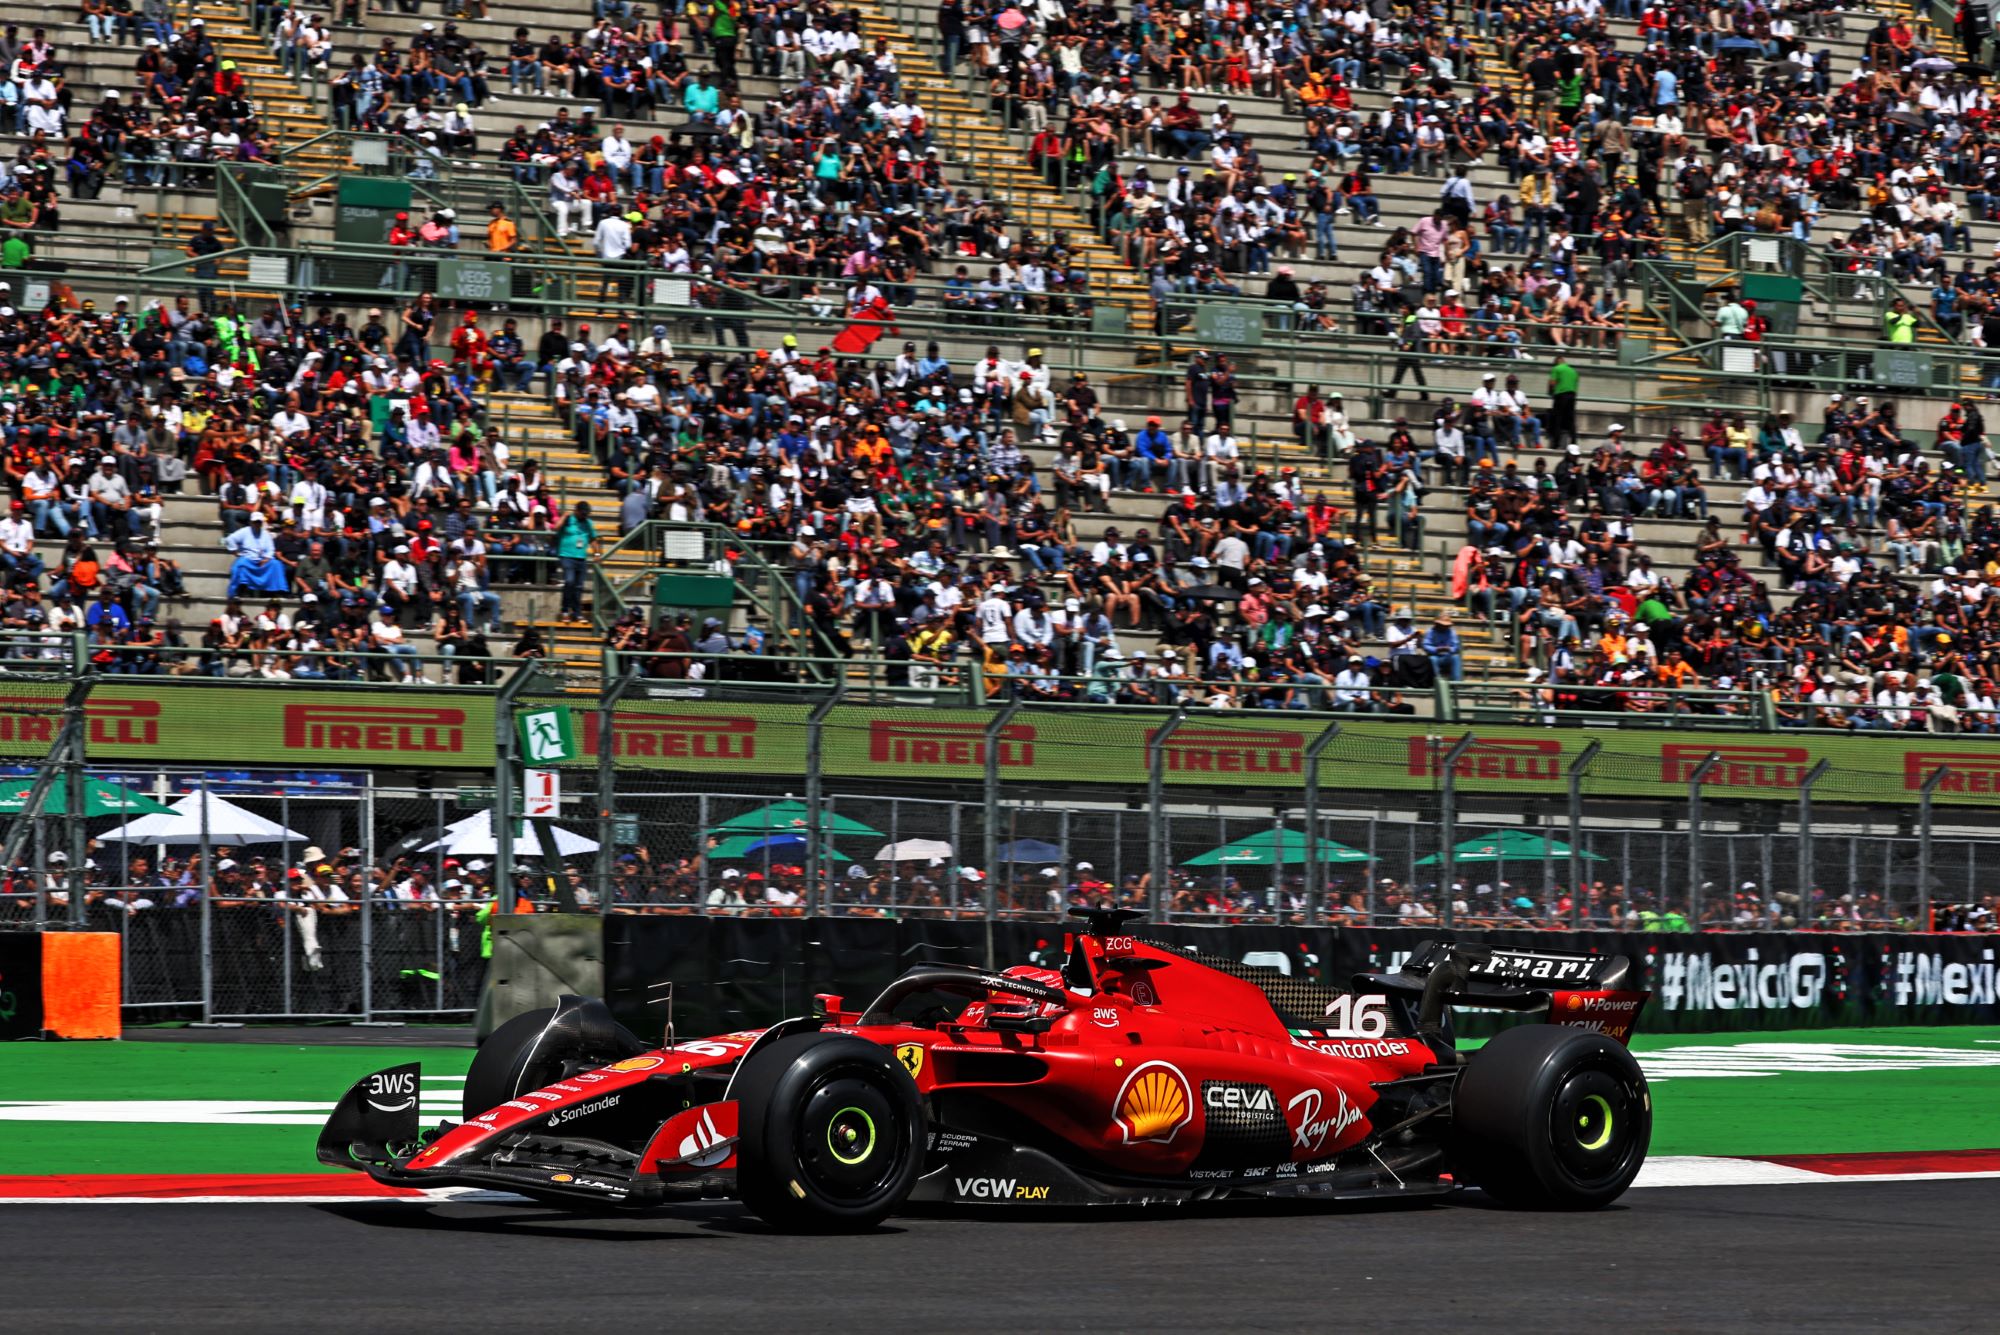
x=1353, y=1016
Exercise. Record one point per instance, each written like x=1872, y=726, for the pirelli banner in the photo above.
x=734, y=972
x=293, y=725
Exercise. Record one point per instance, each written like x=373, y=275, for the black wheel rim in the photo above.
x=1594, y=1126
x=850, y=1135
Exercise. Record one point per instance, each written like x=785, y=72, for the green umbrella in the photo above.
x=783, y=816
x=1508, y=846
x=99, y=799
x=757, y=846
x=1269, y=848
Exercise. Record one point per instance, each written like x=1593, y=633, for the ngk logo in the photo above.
x=1971, y=771
x=374, y=728
x=1737, y=766
x=676, y=736
x=112, y=722
x=947, y=743
x=1232, y=751
x=1522, y=761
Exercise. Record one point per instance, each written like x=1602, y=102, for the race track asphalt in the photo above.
x=1847, y=1256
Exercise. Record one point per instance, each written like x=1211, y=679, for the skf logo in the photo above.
x=112, y=722
x=1527, y=761
x=1155, y=1104
x=396, y=728
x=1975, y=772
x=1738, y=767
x=1232, y=751
x=911, y=1055
x=947, y=744
x=676, y=736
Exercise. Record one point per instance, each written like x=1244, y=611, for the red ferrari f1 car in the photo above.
x=1135, y=1074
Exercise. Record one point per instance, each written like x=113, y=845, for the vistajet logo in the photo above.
x=1527, y=761
x=892, y=743
x=390, y=728
x=1736, y=766
x=1232, y=751
x=638, y=736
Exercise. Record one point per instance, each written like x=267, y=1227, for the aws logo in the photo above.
x=1155, y=1104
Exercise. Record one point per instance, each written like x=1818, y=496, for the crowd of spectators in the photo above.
x=318, y=890
x=363, y=497
x=182, y=108
x=1853, y=593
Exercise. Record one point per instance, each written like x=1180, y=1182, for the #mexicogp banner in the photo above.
x=291, y=726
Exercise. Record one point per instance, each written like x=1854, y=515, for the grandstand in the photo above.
x=1034, y=160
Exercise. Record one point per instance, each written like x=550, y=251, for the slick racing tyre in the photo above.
x=1550, y=1118
x=832, y=1134
x=500, y=1068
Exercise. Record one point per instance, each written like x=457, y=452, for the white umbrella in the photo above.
x=227, y=824
x=474, y=837
x=914, y=850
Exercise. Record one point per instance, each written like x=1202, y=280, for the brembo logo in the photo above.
x=1518, y=761
x=374, y=728
x=1232, y=751
x=676, y=737
x=112, y=722
x=1737, y=766
x=891, y=743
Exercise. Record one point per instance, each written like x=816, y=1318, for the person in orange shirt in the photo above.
x=1675, y=672
x=501, y=233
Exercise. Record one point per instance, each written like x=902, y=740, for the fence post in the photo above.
x=1315, y=869
x=815, y=818
x=1924, y=794
x=1448, y=823
x=1812, y=776
x=1695, y=781
x=207, y=912
x=367, y=898
x=1156, y=832
x=73, y=762
x=1577, y=769
x=989, y=836
x=503, y=786
x=607, y=780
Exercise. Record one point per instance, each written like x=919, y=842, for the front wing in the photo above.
x=633, y=1161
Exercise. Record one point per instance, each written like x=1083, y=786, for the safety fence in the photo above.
x=356, y=880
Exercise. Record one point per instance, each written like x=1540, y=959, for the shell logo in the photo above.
x=1155, y=1104
x=636, y=1064
x=1575, y=1002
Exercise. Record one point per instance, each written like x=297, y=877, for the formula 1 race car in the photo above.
x=1135, y=1074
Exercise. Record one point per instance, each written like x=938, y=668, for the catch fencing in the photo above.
x=711, y=803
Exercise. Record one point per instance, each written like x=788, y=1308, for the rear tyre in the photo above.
x=500, y=1068
x=832, y=1134
x=1551, y=1118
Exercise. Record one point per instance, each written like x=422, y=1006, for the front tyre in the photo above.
x=501, y=1068
x=1552, y=1118
x=832, y=1134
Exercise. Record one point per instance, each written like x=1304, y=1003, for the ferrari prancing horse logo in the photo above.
x=911, y=1055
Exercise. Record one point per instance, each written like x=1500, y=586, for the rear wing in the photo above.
x=1575, y=991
